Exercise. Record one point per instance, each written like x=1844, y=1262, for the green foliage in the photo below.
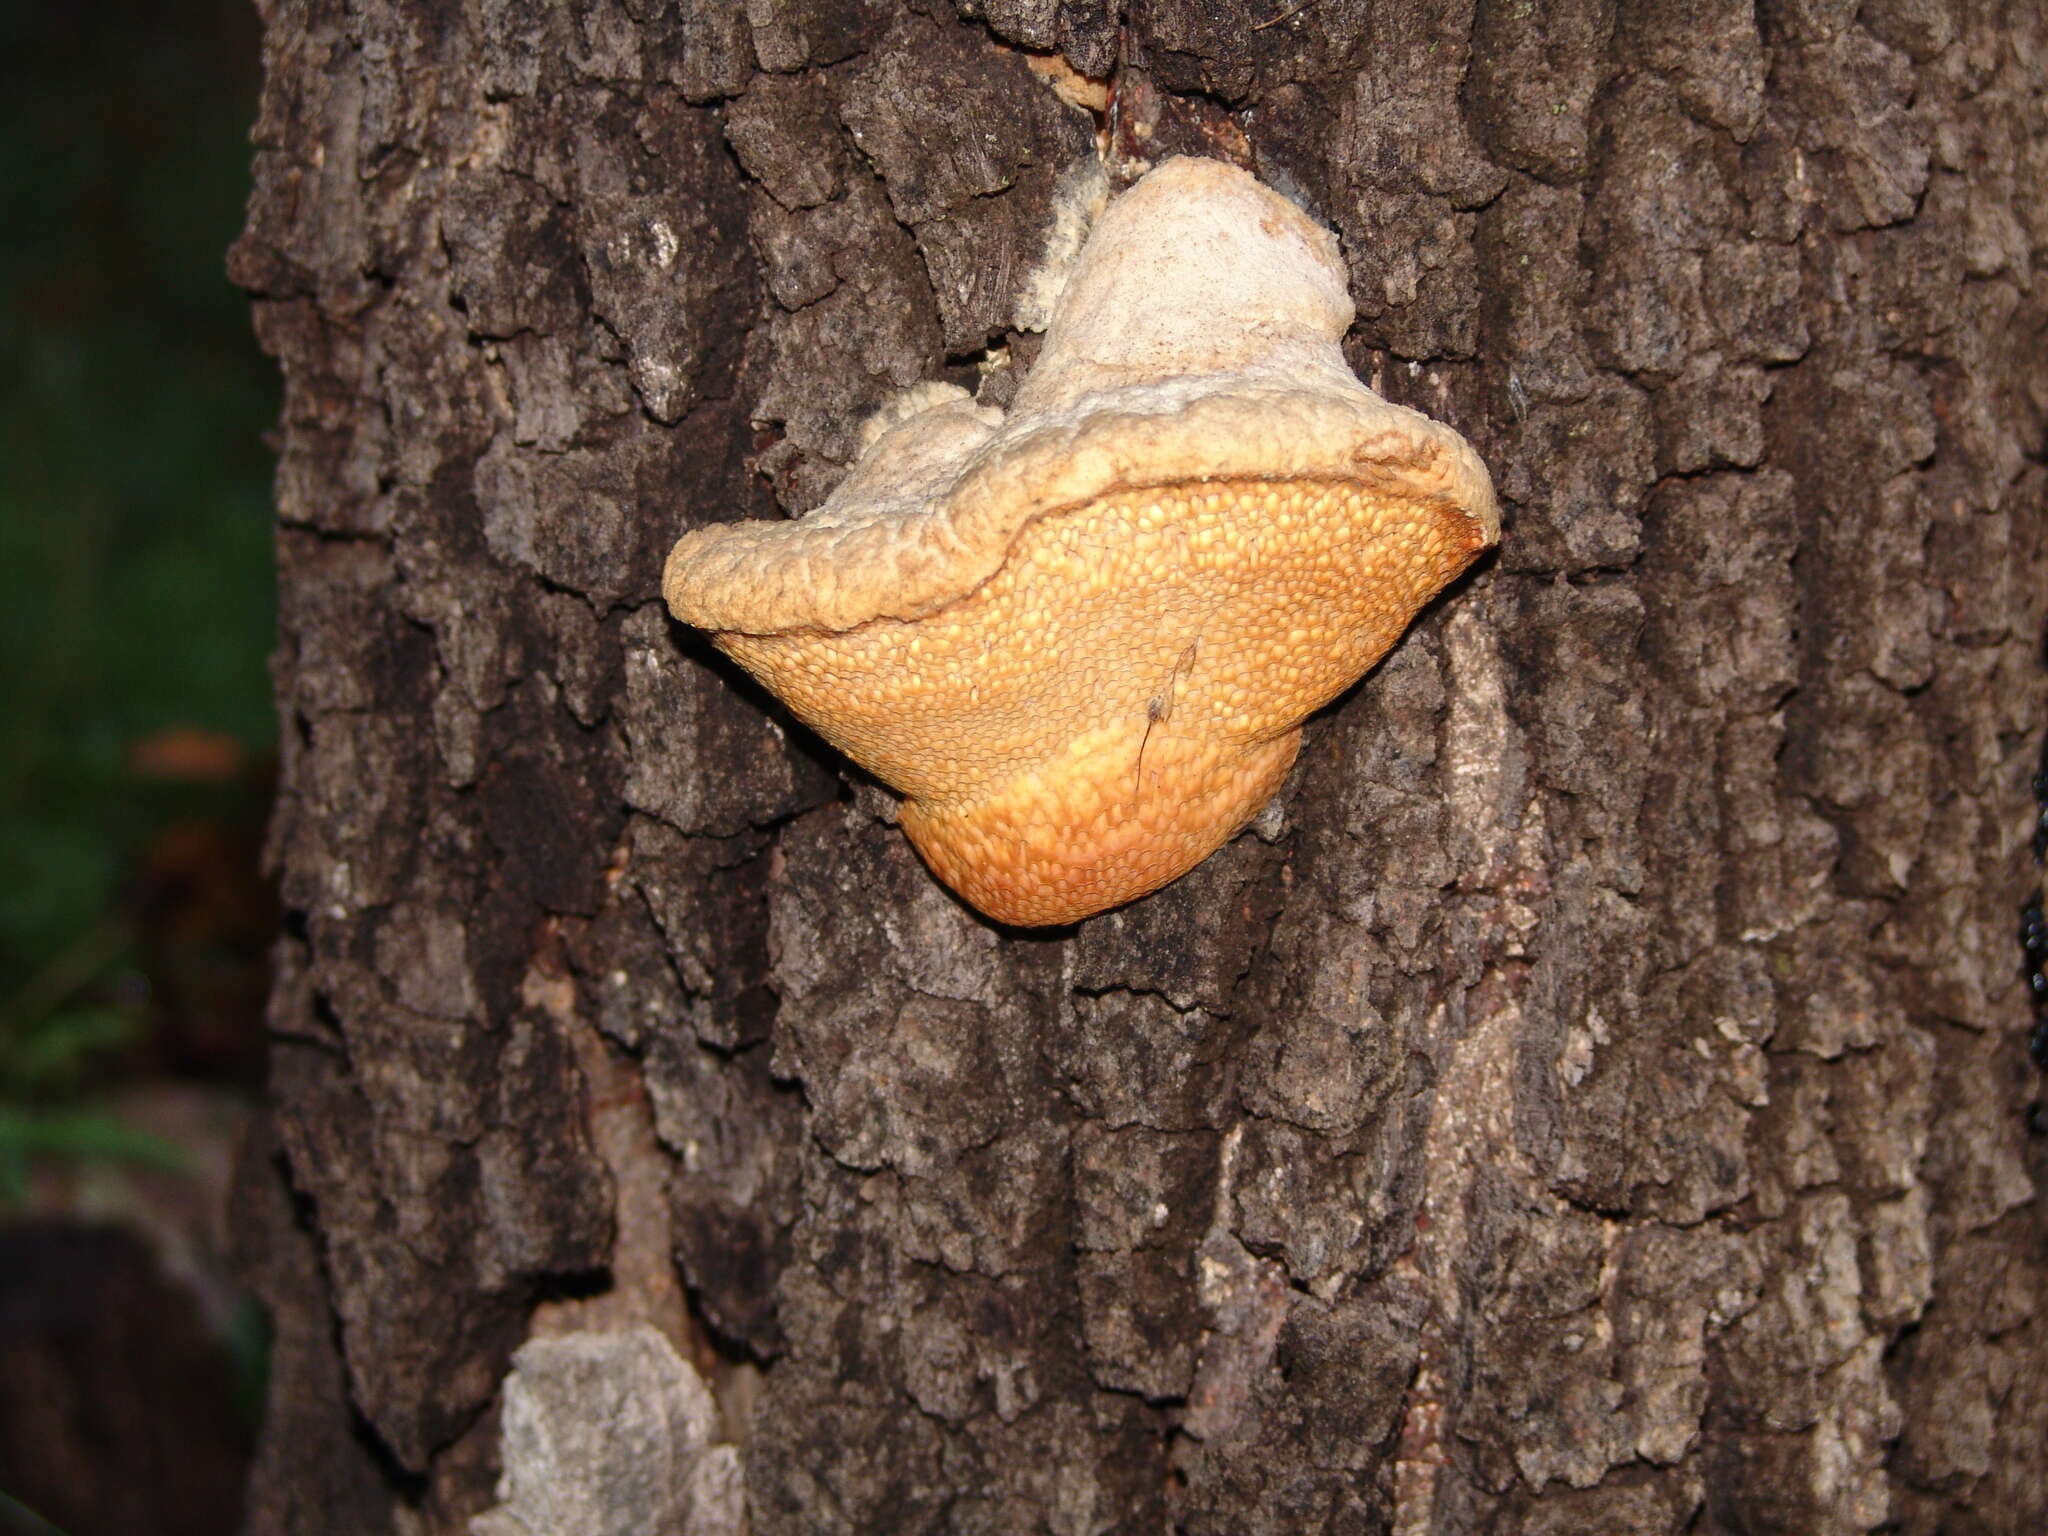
x=76, y=1136
x=134, y=524
x=17, y=1519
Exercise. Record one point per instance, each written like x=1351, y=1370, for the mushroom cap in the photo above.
x=1081, y=638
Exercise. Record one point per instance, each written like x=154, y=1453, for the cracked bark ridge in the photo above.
x=611, y=1431
x=1592, y=1097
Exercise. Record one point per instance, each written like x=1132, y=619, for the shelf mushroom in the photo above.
x=1080, y=639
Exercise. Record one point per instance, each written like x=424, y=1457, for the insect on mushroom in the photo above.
x=1080, y=639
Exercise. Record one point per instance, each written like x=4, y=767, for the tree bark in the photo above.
x=1594, y=1098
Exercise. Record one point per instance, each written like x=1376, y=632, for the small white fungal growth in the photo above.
x=906, y=403
x=1077, y=202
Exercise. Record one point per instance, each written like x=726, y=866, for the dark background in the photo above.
x=135, y=761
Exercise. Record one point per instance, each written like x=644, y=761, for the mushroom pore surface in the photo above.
x=1081, y=640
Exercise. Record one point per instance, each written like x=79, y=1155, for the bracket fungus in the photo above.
x=1081, y=638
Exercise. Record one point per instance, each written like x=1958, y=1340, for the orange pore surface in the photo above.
x=1128, y=689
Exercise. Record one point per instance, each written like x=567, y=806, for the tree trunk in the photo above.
x=1593, y=1099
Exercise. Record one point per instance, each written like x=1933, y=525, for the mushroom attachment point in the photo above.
x=1080, y=638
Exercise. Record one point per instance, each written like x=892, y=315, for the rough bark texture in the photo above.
x=1594, y=1099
